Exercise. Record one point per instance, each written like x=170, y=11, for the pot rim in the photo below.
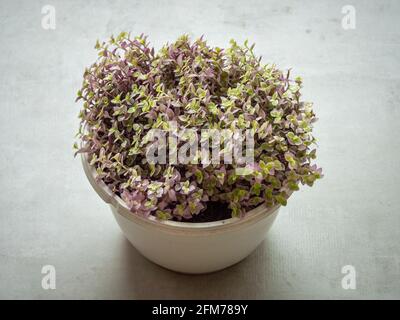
x=252, y=216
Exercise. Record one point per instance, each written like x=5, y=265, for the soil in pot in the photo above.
x=215, y=211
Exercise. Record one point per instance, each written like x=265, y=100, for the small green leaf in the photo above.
x=281, y=199
x=132, y=109
x=293, y=186
x=256, y=188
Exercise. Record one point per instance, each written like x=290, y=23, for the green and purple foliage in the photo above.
x=131, y=90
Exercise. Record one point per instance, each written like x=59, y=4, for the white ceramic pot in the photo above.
x=183, y=246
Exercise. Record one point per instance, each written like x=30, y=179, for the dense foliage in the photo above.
x=131, y=89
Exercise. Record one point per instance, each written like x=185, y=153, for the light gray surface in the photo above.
x=50, y=215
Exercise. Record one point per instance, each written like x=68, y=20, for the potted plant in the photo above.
x=162, y=138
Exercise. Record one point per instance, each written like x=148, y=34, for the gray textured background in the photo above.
x=50, y=215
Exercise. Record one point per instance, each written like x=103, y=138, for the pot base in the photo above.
x=204, y=251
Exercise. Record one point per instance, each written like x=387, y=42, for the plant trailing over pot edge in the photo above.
x=131, y=90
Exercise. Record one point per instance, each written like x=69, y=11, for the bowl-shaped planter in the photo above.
x=184, y=246
x=194, y=147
